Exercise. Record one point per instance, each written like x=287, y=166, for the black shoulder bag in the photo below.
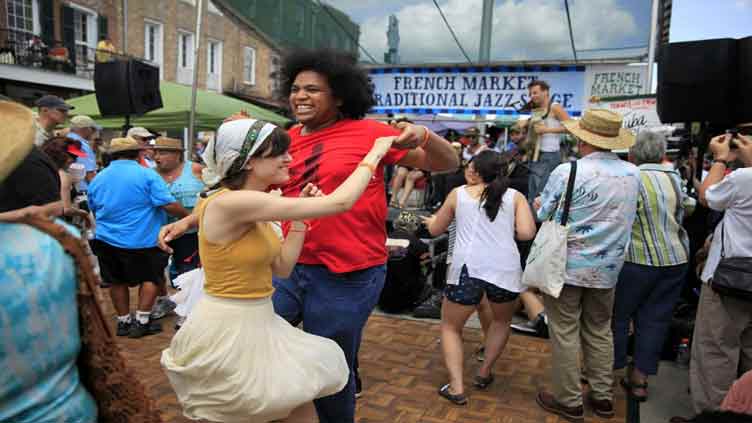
x=733, y=276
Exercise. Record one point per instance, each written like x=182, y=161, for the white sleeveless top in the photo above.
x=550, y=142
x=486, y=248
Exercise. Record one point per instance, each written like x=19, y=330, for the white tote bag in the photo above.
x=547, y=262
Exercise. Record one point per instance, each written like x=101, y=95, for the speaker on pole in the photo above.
x=697, y=81
x=743, y=107
x=126, y=87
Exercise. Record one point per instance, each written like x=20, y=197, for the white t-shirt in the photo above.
x=734, y=196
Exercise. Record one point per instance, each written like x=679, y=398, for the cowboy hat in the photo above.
x=601, y=128
x=165, y=143
x=18, y=126
x=124, y=144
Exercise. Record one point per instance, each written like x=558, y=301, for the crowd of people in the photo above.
x=289, y=228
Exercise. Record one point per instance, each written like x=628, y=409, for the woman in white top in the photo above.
x=489, y=216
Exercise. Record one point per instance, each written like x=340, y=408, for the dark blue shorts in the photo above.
x=470, y=291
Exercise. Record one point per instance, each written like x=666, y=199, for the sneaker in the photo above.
x=124, y=328
x=139, y=329
x=528, y=326
x=537, y=327
x=430, y=308
x=162, y=308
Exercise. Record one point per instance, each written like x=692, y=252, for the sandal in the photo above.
x=631, y=386
x=458, y=399
x=481, y=382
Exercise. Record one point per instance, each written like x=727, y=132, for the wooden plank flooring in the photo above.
x=402, y=368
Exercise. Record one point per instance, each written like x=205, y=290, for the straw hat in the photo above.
x=124, y=144
x=601, y=128
x=18, y=132
x=164, y=143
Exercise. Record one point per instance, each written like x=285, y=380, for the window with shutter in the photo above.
x=249, y=66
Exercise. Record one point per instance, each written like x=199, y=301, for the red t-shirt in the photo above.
x=353, y=240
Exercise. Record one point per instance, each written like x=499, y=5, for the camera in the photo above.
x=734, y=134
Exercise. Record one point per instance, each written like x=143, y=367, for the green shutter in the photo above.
x=69, y=33
x=47, y=21
x=102, y=27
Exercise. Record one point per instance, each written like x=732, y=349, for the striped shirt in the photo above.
x=658, y=238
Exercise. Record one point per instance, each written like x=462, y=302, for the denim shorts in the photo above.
x=469, y=291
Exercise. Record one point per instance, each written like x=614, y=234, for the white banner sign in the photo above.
x=494, y=90
x=639, y=113
x=615, y=80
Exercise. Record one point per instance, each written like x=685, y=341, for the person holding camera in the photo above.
x=722, y=344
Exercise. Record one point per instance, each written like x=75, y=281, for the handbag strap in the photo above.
x=568, y=195
x=723, y=247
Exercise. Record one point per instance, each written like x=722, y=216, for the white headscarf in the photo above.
x=233, y=139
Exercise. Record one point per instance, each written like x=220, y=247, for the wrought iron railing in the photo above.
x=26, y=49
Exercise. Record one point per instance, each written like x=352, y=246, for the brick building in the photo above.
x=234, y=57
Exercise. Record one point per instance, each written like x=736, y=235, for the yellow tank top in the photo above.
x=241, y=268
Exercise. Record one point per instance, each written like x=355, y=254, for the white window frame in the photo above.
x=189, y=59
x=92, y=30
x=36, y=26
x=274, y=83
x=158, y=58
x=217, y=62
x=249, y=79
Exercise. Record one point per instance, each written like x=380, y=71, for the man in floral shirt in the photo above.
x=603, y=208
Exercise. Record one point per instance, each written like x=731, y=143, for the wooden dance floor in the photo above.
x=402, y=368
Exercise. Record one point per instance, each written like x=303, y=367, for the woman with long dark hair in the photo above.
x=489, y=217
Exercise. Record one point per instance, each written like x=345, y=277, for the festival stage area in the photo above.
x=402, y=368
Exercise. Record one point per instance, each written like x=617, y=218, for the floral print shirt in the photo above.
x=604, y=206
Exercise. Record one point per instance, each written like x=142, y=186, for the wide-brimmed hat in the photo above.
x=17, y=122
x=165, y=143
x=601, y=128
x=124, y=144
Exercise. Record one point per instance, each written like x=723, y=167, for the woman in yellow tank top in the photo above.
x=234, y=359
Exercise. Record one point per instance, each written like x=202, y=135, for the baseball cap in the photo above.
x=139, y=132
x=53, y=102
x=83, y=121
x=75, y=149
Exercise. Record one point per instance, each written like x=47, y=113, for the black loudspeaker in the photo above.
x=744, y=105
x=697, y=82
x=126, y=87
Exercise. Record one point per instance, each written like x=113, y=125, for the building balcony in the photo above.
x=25, y=58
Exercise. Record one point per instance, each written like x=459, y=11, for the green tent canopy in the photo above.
x=211, y=109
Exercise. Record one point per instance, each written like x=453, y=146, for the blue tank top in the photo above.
x=186, y=188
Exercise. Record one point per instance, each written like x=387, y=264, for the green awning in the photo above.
x=211, y=109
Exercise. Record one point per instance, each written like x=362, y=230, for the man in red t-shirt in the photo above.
x=342, y=267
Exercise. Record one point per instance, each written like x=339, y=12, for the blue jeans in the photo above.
x=540, y=171
x=647, y=295
x=334, y=306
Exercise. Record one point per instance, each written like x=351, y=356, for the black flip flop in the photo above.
x=459, y=399
x=483, y=382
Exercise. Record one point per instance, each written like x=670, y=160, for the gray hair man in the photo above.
x=53, y=111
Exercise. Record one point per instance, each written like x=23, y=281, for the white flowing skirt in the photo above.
x=236, y=360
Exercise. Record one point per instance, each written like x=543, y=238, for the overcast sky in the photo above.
x=536, y=29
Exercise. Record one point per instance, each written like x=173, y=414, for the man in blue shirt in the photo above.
x=82, y=129
x=130, y=204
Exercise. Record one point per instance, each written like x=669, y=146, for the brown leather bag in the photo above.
x=120, y=396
